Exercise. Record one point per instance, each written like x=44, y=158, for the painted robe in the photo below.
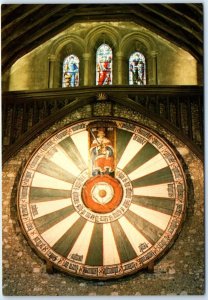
x=102, y=155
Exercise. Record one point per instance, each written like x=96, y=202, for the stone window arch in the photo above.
x=61, y=50
x=103, y=34
x=143, y=46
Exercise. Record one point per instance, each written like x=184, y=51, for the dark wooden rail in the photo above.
x=26, y=113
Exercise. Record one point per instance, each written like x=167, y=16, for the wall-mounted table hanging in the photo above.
x=102, y=198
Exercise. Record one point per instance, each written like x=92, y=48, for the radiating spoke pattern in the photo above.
x=93, y=244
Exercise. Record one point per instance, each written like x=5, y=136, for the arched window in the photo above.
x=137, y=69
x=104, y=65
x=70, y=71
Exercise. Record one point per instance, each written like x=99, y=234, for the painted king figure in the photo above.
x=102, y=154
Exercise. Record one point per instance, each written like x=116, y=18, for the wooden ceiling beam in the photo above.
x=162, y=26
x=36, y=35
x=21, y=18
x=178, y=12
x=174, y=20
x=155, y=25
x=32, y=24
x=197, y=7
x=7, y=10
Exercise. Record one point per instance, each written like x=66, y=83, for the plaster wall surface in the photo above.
x=179, y=272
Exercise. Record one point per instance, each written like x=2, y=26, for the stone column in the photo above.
x=86, y=59
x=51, y=59
x=154, y=68
x=120, y=69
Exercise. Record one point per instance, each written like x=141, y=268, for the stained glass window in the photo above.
x=104, y=65
x=137, y=69
x=70, y=71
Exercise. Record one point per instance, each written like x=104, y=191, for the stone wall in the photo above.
x=174, y=65
x=179, y=272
